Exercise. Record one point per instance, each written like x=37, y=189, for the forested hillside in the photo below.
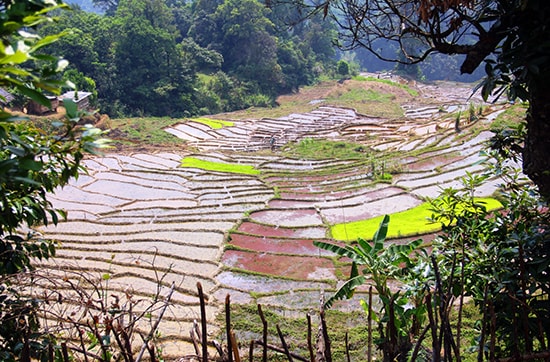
x=182, y=58
x=175, y=58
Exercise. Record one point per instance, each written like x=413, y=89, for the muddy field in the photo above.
x=145, y=221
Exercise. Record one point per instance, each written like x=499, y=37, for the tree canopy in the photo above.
x=170, y=58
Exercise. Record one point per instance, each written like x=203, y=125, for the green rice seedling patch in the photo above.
x=213, y=123
x=415, y=221
x=219, y=166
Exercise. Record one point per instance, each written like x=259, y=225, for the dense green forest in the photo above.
x=181, y=58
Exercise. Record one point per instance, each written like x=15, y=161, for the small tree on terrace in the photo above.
x=511, y=36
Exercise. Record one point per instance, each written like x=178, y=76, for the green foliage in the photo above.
x=500, y=261
x=381, y=263
x=20, y=51
x=342, y=68
x=296, y=67
x=219, y=166
x=199, y=58
x=522, y=59
x=146, y=56
x=33, y=163
x=151, y=76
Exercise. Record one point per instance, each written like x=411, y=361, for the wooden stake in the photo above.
x=264, y=333
x=228, y=328
x=283, y=342
x=204, y=341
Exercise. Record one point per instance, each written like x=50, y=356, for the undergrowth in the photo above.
x=319, y=149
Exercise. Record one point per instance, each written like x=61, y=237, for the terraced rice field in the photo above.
x=142, y=220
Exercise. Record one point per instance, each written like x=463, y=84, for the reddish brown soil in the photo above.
x=295, y=267
x=277, y=245
x=290, y=204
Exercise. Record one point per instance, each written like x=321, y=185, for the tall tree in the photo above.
x=511, y=36
x=204, y=29
x=248, y=48
x=151, y=75
x=88, y=46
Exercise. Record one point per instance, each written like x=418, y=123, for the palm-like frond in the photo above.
x=340, y=250
x=346, y=290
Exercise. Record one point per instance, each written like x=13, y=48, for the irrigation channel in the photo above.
x=137, y=221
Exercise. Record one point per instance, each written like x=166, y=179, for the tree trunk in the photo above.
x=536, y=153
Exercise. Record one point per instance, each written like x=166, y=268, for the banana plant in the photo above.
x=375, y=263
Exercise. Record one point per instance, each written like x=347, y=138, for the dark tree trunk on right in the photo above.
x=536, y=154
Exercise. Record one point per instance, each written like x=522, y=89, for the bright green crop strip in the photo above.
x=213, y=123
x=219, y=166
x=410, y=222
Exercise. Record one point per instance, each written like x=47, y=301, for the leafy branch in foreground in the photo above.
x=33, y=163
x=499, y=259
x=378, y=263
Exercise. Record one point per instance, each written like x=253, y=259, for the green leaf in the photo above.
x=45, y=41
x=346, y=290
x=71, y=108
x=17, y=58
x=27, y=180
x=15, y=71
x=380, y=234
x=17, y=151
x=29, y=164
x=342, y=251
x=35, y=96
x=364, y=245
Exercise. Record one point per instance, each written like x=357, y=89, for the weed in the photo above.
x=314, y=149
x=410, y=90
x=143, y=131
x=510, y=117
